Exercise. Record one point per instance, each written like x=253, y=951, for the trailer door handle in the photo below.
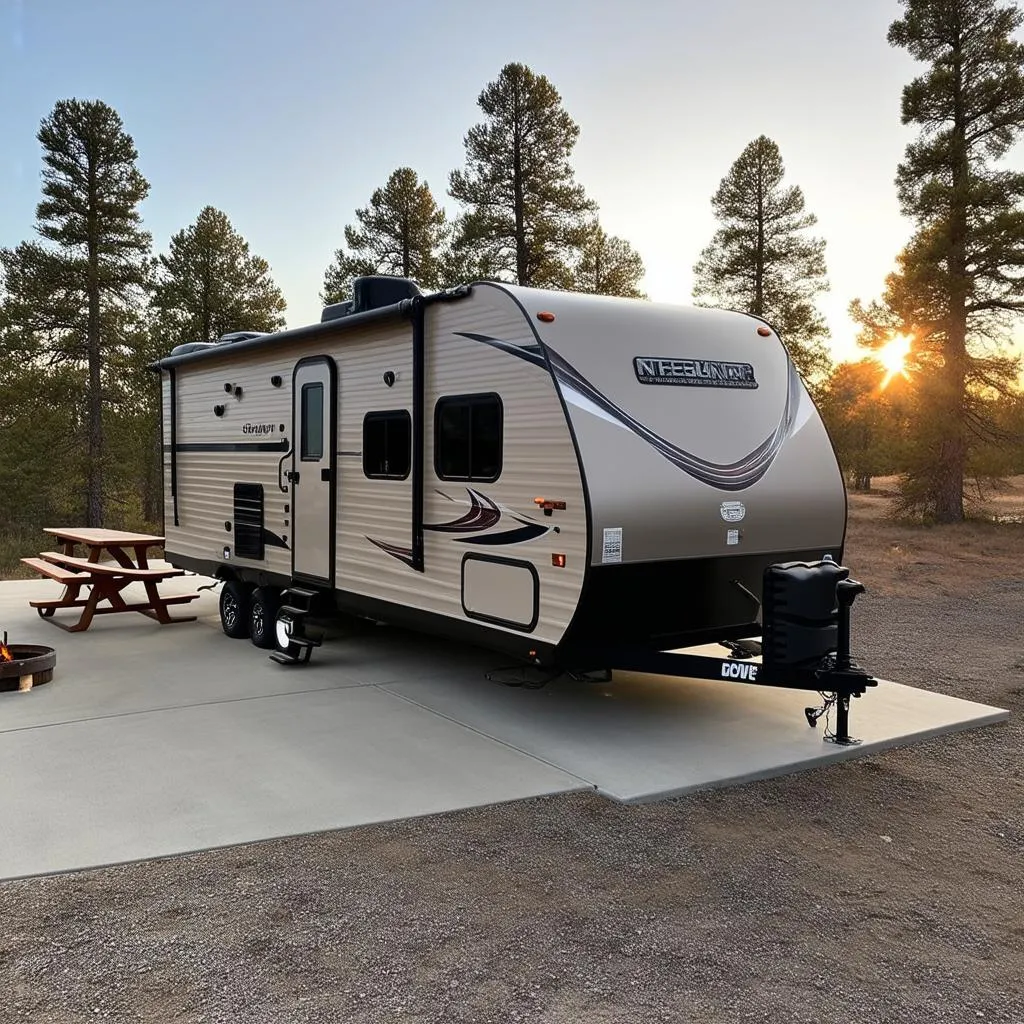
x=292, y=475
x=325, y=475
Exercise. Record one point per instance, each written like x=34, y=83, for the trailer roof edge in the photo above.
x=304, y=333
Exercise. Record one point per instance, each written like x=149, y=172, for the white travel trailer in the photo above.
x=578, y=481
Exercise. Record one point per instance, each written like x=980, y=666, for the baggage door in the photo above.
x=314, y=468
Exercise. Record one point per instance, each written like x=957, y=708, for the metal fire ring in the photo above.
x=33, y=664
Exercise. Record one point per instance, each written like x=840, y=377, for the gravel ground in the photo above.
x=884, y=889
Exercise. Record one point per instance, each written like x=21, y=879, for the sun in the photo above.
x=893, y=356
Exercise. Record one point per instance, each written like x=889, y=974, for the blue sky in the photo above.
x=286, y=115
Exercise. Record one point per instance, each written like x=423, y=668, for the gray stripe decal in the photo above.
x=732, y=476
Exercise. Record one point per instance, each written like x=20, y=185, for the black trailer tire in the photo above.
x=234, y=609
x=263, y=617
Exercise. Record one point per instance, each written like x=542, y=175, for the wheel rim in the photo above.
x=230, y=611
x=257, y=619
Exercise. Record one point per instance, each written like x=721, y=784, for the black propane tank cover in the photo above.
x=800, y=612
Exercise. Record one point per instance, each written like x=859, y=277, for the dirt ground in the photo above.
x=885, y=889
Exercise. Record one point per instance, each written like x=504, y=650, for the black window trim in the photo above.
x=475, y=398
x=309, y=386
x=384, y=414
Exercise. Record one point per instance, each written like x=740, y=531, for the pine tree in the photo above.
x=78, y=300
x=607, y=265
x=209, y=284
x=524, y=208
x=962, y=275
x=402, y=231
x=761, y=260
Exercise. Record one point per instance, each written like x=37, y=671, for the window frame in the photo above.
x=475, y=398
x=303, y=421
x=385, y=415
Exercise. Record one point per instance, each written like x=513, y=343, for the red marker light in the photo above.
x=765, y=332
x=558, y=561
x=546, y=318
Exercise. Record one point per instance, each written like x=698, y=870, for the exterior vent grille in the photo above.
x=249, y=520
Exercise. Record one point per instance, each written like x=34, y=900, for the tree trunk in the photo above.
x=406, y=256
x=758, y=309
x=94, y=443
x=522, y=256
x=948, y=480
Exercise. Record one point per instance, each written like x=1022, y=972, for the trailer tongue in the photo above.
x=805, y=644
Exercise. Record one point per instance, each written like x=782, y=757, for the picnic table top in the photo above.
x=102, y=538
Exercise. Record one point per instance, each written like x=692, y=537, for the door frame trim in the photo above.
x=331, y=400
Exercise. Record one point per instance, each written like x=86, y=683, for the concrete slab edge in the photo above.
x=188, y=852
x=830, y=755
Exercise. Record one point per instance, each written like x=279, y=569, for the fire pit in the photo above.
x=23, y=666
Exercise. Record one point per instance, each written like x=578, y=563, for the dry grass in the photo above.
x=908, y=560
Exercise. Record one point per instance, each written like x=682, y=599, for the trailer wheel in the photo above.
x=234, y=609
x=263, y=617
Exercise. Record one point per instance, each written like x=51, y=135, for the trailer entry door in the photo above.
x=314, y=405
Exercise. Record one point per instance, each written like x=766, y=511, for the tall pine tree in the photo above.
x=607, y=265
x=402, y=231
x=78, y=300
x=523, y=206
x=209, y=284
x=961, y=277
x=762, y=260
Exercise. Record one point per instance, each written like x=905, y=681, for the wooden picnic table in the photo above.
x=104, y=580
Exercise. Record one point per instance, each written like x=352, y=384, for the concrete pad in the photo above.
x=646, y=737
x=146, y=785
x=153, y=740
x=126, y=664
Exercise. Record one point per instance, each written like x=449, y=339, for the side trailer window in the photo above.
x=468, y=437
x=312, y=448
x=387, y=444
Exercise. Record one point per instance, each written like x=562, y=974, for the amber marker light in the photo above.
x=546, y=317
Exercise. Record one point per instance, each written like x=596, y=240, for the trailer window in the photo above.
x=312, y=449
x=387, y=444
x=467, y=437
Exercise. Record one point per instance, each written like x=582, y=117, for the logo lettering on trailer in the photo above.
x=739, y=670
x=706, y=373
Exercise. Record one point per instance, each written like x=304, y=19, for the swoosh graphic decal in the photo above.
x=531, y=353
x=482, y=515
x=402, y=554
x=520, y=536
x=731, y=476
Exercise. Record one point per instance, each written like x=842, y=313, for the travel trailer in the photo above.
x=574, y=480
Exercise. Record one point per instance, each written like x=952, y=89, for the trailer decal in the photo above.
x=482, y=515
x=732, y=476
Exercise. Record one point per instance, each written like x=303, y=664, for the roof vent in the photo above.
x=230, y=339
x=336, y=311
x=191, y=346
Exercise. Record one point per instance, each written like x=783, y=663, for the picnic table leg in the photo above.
x=140, y=556
x=158, y=607
x=122, y=558
x=85, y=620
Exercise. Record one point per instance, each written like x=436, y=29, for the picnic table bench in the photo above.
x=104, y=580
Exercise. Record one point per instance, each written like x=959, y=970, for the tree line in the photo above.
x=86, y=306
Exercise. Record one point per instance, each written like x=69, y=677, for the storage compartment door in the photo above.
x=501, y=590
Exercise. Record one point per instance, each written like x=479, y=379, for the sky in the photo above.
x=287, y=114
